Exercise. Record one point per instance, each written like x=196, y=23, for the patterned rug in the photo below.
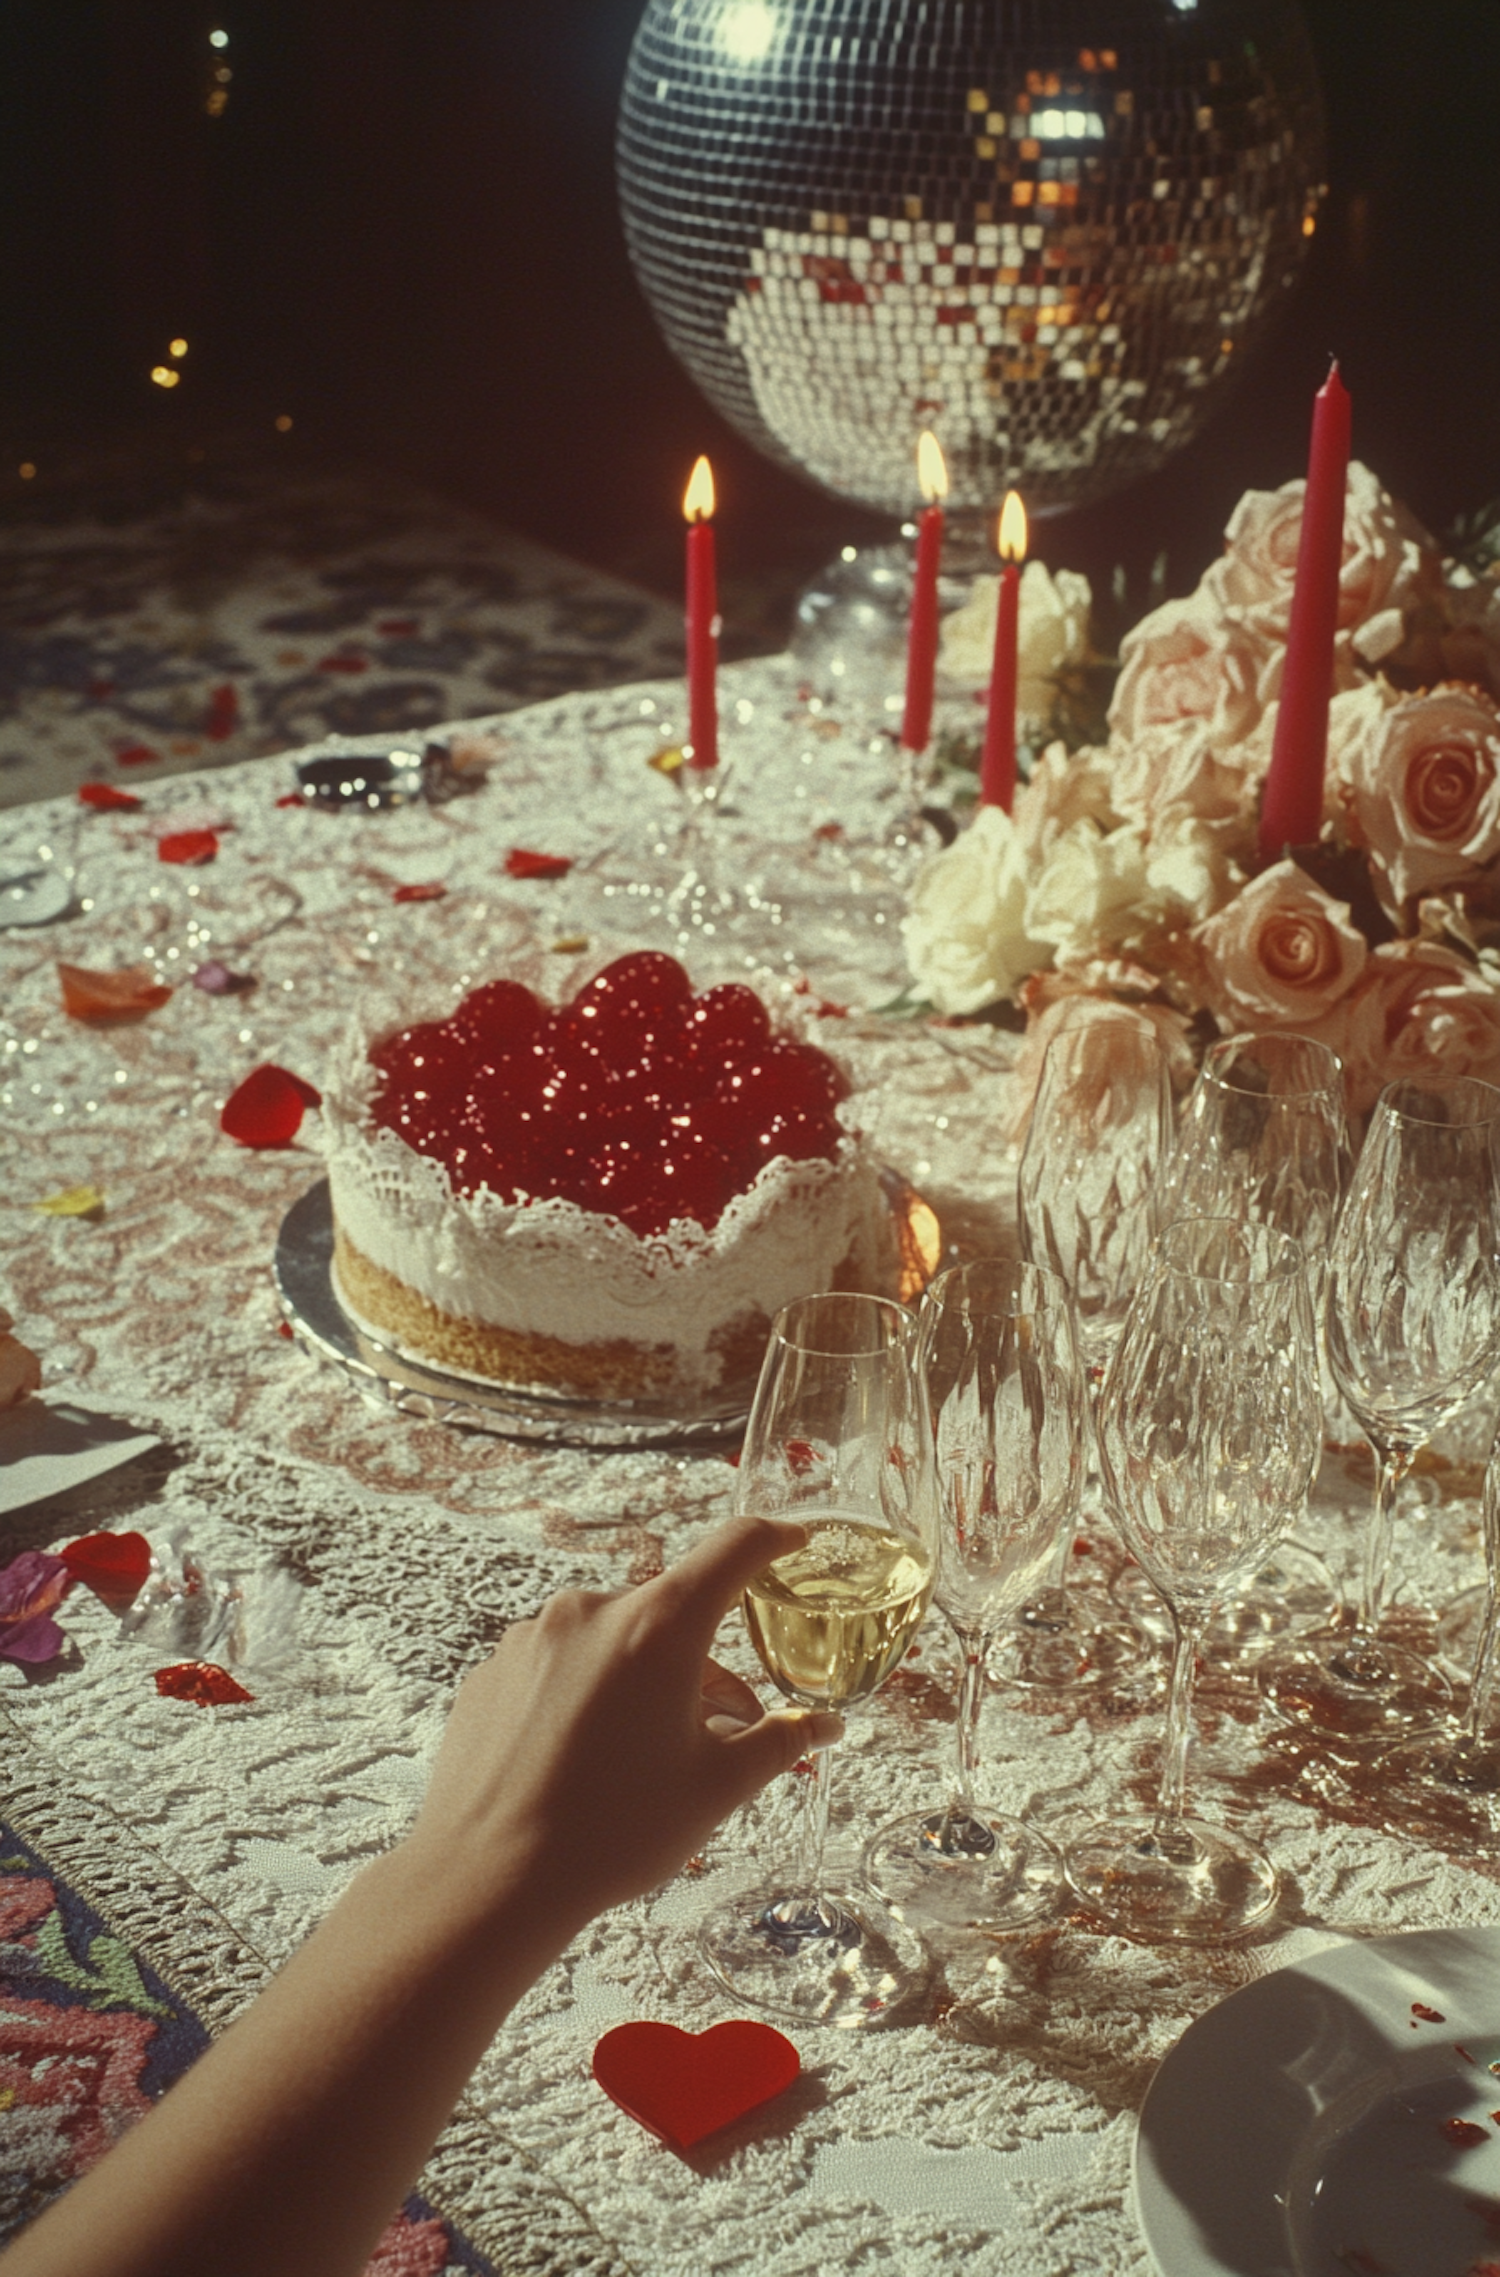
x=91, y=2035
x=158, y=628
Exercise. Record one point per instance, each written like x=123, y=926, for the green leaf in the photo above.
x=111, y=1980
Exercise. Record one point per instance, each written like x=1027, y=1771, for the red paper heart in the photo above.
x=106, y=795
x=432, y=892
x=685, y=2085
x=136, y=755
x=521, y=863
x=200, y=1680
x=113, y=1565
x=187, y=846
x=267, y=1108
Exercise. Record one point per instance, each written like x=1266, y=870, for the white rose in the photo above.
x=1188, y=663
x=1065, y=788
x=1091, y=893
x=1052, y=632
x=1190, y=867
x=965, y=932
x=1179, y=768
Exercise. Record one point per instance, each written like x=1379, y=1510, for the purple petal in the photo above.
x=32, y=1583
x=37, y=1639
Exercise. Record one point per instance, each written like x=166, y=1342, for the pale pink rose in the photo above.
x=1054, y=997
x=1180, y=768
x=1065, y=788
x=1187, y=661
x=1281, y=954
x=1420, y=1014
x=1388, y=561
x=1418, y=781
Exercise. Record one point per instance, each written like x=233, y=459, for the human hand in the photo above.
x=599, y=1746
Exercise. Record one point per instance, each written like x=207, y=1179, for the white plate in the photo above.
x=1303, y=2127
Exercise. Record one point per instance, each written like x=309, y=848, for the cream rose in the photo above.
x=1065, y=789
x=1052, y=632
x=1091, y=893
x=1187, y=663
x=1178, y=768
x=1281, y=954
x=1388, y=559
x=965, y=932
x=1418, y=779
x=1421, y=1014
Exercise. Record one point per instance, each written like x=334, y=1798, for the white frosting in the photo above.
x=549, y=1268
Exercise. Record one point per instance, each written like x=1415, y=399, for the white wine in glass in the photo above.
x=832, y=1446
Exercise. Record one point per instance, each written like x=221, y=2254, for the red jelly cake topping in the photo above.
x=638, y=1098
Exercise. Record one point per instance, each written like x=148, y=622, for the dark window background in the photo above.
x=402, y=231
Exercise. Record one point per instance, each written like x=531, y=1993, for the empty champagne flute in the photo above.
x=1095, y=1150
x=1004, y=1422
x=1413, y=1330
x=833, y=1445
x=1466, y=1755
x=1265, y=1137
x=1211, y=1426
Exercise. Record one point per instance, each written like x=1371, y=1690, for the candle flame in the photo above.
x=1011, y=539
x=698, y=499
x=932, y=469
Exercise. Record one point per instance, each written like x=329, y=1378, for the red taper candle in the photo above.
x=1292, y=811
x=922, y=638
x=997, y=772
x=702, y=620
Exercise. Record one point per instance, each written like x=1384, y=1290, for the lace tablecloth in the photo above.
x=996, y=2134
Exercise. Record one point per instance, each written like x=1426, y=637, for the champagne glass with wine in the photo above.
x=1004, y=1415
x=832, y=1446
x=1211, y=1426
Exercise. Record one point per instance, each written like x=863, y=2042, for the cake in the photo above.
x=608, y=1199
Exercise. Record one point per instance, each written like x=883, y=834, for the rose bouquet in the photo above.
x=1129, y=870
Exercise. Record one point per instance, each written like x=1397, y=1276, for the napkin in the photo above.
x=47, y=1445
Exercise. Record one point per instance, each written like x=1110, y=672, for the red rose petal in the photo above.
x=433, y=892
x=137, y=755
x=684, y=2085
x=187, y=846
x=291, y=798
x=223, y=713
x=106, y=795
x=521, y=863
x=110, y=995
x=200, y=1680
x=114, y=1566
x=267, y=1108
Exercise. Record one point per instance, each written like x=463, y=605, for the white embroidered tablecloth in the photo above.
x=996, y=2134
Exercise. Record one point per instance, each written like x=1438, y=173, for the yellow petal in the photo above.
x=668, y=761
x=77, y=1202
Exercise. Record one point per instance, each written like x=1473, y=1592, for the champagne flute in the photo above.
x=1265, y=1137
x=1466, y=1755
x=1099, y=1137
x=1211, y=1425
x=1413, y=1330
x=1004, y=1417
x=832, y=1444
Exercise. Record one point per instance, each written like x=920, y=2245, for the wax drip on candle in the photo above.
x=702, y=620
x=922, y=638
x=997, y=772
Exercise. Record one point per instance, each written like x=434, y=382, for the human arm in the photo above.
x=588, y=1757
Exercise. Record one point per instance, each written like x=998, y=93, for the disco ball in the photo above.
x=1051, y=230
